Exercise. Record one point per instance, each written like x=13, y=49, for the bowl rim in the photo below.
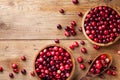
x=71, y=55
x=83, y=28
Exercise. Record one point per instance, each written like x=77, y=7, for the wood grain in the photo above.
x=28, y=25
x=10, y=52
x=36, y=19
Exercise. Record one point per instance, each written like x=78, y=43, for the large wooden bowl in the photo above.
x=100, y=44
x=72, y=58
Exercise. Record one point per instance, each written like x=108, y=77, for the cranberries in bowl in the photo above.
x=101, y=25
x=54, y=62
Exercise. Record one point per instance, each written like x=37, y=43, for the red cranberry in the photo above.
x=32, y=73
x=23, y=58
x=59, y=27
x=80, y=29
x=71, y=47
x=75, y=44
x=82, y=42
x=67, y=34
x=109, y=72
x=61, y=11
x=23, y=71
x=14, y=66
x=98, y=66
x=80, y=59
x=97, y=71
x=96, y=46
x=113, y=67
x=62, y=68
x=80, y=14
x=89, y=61
x=56, y=40
x=1, y=69
x=15, y=70
x=103, y=56
x=73, y=23
x=114, y=73
x=67, y=67
x=82, y=66
x=84, y=50
x=11, y=75
x=75, y=1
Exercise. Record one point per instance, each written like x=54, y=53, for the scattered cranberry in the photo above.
x=109, y=72
x=89, y=61
x=80, y=59
x=61, y=11
x=113, y=67
x=15, y=70
x=114, y=73
x=80, y=14
x=75, y=1
x=80, y=29
x=23, y=71
x=100, y=21
x=82, y=42
x=72, y=47
x=59, y=27
x=96, y=47
x=11, y=75
x=84, y=50
x=1, y=69
x=82, y=66
x=67, y=34
x=23, y=58
x=102, y=76
x=14, y=66
x=32, y=73
x=73, y=23
x=75, y=44
x=56, y=40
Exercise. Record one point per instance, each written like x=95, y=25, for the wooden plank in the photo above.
x=36, y=19
x=10, y=52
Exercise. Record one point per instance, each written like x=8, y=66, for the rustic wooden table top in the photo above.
x=28, y=25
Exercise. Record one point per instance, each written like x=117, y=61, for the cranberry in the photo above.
x=113, y=67
x=80, y=29
x=73, y=23
x=11, y=75
x=67, y=34
x=89, y=61
x=15, y=70
x=98, y=66
x=62, y=68
x=75, y=1
x=80, y=59
x=61, y=11
x=59, y=27
x=32, y=73
x=75, y=44
x=71, y=47
x=82, y=42
x=114, y=73
x=82, y=66
x=80, y=14
x=67, y=67
x=109, y=72
x=56, y=40
x=23, y=58
x=84, y=50
x=103, y=56
x=96, y=46
x=1, y=69
x=14, y=66
x=23, y=71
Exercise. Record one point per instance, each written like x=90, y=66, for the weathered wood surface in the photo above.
x=27, y=25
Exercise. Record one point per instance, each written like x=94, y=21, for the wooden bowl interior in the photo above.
x=72, y=58
x=100, y=44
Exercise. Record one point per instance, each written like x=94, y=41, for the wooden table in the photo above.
x=28, y=25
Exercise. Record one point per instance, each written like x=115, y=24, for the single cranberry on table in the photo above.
x=59, y=26
x=75, y=1
x=11, y=75
x=1, y=69
x=82, y=42
x=61, y=11
x=56, y=40
x=80, y=59
x=83, y=50
x=23, y=58
x=54, y=66
x=82, y=66
x=32, y=73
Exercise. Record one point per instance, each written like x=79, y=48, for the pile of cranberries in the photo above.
x=100, y=64
x=53, y=63
x=102, y=24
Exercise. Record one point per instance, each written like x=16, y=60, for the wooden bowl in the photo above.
x=72, y=58
x=100, y=44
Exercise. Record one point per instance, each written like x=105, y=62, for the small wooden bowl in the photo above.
x=89, y=75
x=100, y=44
x=72, y=58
